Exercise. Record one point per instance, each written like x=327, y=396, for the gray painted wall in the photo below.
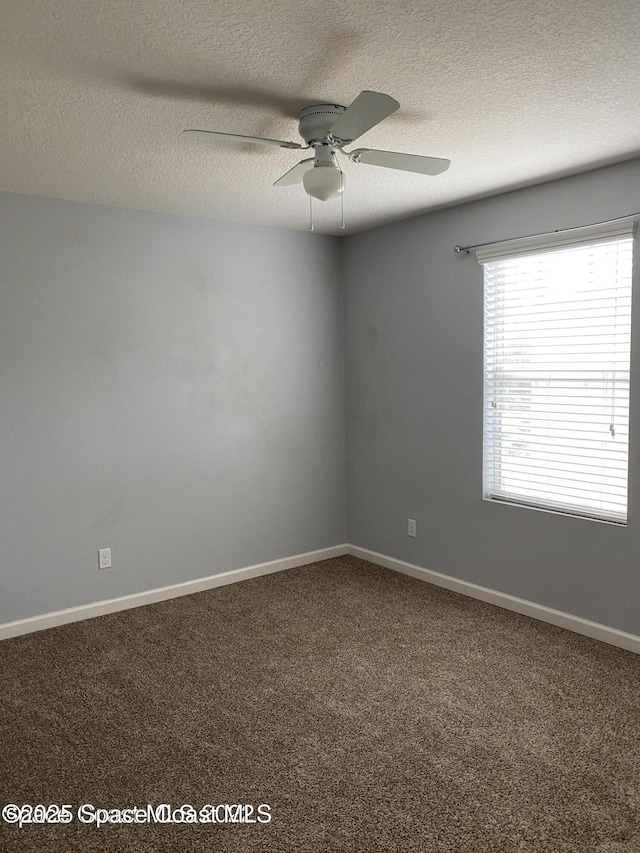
x=172, y=388
x=414, y=332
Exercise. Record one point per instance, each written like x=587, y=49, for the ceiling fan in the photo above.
x=327, y=128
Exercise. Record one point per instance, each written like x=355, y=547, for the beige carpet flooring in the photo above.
x=370, y=711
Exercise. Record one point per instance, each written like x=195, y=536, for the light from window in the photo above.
x=556, y=390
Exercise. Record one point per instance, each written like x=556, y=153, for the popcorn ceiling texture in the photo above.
x=94, y=96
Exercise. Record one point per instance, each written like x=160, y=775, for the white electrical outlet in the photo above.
x=104, y=558
x=412, y=527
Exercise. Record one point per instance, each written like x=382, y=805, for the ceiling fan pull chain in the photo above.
x=342, y=225
x=310, y=214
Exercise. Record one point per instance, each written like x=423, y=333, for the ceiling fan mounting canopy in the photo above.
x=316, y=121
x=326, y=128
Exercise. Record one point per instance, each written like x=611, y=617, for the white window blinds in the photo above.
x=556, y=368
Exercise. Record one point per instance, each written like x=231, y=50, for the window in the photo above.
x=556, y=368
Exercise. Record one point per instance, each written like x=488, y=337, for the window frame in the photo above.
x=510, y=250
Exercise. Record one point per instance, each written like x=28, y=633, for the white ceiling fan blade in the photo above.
x=294, y=176
x=365, y=112
x=404, y=162
x=216, y=136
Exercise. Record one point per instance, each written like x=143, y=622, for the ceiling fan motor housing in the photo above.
x=316, y=121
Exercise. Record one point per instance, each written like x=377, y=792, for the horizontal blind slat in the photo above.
x=575, y=476
x=561, y=490
x=559, y=455
x=599, y=514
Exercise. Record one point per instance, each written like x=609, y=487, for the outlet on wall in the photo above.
x=104, y=558
x=411, y=529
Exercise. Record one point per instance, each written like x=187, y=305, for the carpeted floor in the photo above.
x=370, y=711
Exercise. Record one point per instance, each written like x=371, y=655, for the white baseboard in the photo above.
x=126, y=602
x=595, y=630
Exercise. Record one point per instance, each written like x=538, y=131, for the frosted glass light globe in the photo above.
x=323, y=182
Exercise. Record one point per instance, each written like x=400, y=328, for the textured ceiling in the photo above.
x=94, y=95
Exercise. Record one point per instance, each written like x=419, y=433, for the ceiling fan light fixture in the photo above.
x=323, y=182
x=326, y=129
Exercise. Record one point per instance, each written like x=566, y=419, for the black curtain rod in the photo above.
x=466, y=249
